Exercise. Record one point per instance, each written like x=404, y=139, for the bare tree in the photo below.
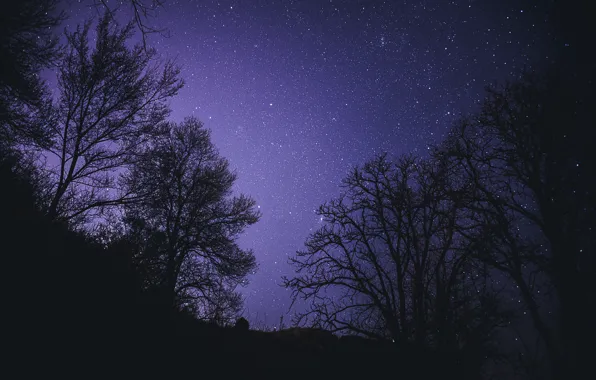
x=495, y=204
x=391, y=261
x=188, y=221
x=526, y=156
x=112, y=100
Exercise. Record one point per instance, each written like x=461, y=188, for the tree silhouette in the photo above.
x=187, y=221
x=391, y=262
x=112, y=100
x=142, y=11
x=527, y=158
x=27, y=45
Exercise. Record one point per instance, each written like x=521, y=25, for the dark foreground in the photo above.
x=73, y=308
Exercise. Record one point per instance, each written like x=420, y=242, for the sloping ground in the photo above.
x=72, y=309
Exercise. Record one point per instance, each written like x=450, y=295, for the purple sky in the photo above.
x=298, y=92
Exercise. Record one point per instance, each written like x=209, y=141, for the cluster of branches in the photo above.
x=410, y=248
x=393, y=259
x=109, y=158
x=113, y=100
x=189, y=221
x=27, y=45
x=527, y=156
x=142, y=11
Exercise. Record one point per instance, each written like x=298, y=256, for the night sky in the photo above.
x=298, y=92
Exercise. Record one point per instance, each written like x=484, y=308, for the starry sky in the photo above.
x=297, y=92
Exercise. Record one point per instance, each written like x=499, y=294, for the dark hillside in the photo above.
x=75, y=305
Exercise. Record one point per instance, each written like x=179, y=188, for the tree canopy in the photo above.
x=189, y=220
x=113, y=99
x=393, y=260
x=27, y=45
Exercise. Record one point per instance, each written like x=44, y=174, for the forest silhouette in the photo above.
x=123, y=252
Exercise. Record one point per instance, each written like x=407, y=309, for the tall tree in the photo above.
x=527, y=155
x=112, y=100
x=189, y=220
x=27, y=45
x=391, y=261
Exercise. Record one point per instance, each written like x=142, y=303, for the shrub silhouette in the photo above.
x=241, y=324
